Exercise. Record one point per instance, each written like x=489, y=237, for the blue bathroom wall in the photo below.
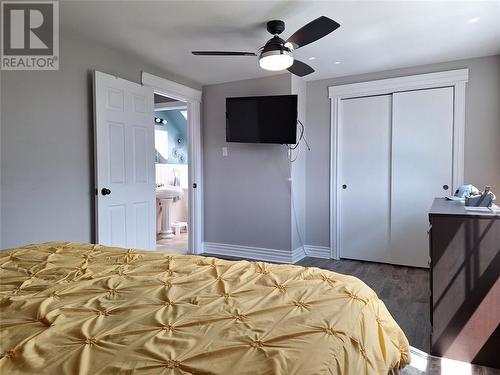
x=177, y=130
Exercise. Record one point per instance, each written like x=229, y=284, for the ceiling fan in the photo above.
x=277, y=54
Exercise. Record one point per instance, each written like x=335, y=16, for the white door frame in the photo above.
x=195, y=163
x=451, y=78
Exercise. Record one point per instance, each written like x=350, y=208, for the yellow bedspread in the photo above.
x=70, y=308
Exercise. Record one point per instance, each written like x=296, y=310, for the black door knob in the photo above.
x=445, y=187
x=105, y=191
x=344, y=186
x=194, y=185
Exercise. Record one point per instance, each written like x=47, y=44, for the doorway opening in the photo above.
x=171, y=174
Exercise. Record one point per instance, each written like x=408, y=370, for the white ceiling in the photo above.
x=374, y=35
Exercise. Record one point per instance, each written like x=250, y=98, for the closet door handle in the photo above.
x=344, y=186
x=445, y=187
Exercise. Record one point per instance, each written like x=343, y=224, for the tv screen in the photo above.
x=262, y=119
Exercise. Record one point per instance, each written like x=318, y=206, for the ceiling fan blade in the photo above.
x=300, y=69
x=313, y=31
x=222, y=53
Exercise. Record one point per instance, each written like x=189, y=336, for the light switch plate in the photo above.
x=224, y=151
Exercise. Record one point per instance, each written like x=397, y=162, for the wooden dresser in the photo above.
x=465, y=284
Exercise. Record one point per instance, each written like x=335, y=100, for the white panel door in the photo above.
x=422, y=134
x=124, y=160
x=364, y=191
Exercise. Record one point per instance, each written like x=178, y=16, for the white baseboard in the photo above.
x=257, y=253
x=298, y=254
x=317, y=251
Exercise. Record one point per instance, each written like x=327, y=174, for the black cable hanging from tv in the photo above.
x=301, y=137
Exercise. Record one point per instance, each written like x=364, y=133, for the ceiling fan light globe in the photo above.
x=275, y=60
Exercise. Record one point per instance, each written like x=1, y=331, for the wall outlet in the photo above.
x=224, y=151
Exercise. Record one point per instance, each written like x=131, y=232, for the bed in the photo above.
x=72, y=308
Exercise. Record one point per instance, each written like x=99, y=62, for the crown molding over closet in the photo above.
x=452, y=78
x=390, y=85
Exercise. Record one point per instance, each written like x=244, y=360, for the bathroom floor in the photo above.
x=178, y=244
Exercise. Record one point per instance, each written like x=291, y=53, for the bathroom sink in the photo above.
x=168, y=191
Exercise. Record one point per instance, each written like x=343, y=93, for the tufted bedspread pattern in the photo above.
x=71, y=308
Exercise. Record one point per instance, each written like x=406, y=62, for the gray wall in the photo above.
x=47, y=144
x=482, y=135
x=247, y=193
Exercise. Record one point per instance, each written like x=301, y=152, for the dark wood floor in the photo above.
x=404, y=290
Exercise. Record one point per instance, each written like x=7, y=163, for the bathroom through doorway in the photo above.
x=171, y=174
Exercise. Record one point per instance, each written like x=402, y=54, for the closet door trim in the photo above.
x=451, y=78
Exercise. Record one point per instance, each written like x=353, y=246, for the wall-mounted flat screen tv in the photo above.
x=262, y=119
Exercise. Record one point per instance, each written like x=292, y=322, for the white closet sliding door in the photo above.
x=396, y=144
x=395, y=158
x=422, y=139
x=364, y=184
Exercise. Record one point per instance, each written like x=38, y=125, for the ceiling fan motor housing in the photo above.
x=276, y=27
x=275, y=46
